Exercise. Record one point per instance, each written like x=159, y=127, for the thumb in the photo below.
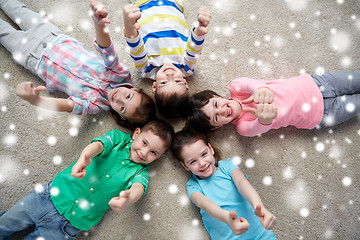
x=258, y=211
x=38, y=89
x=233, y=215
x=248, y=100
x=137, y=26
x=105, y=20
x=242, y=219
x=125, y=194
x=250, y=110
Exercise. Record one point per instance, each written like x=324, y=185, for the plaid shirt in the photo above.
x=68, y=67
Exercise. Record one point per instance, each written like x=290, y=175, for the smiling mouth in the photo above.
x=229, y=112
x=204, y=170
x=169, y=68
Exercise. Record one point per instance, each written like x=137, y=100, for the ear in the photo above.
x=153, y=86
x=211, y=149
x=186, y=85
x=214, y=128
x=136, y=133
x=183, y=164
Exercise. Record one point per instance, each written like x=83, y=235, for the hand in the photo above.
x=203, y=20
x=99, y=13
x=78, y=170
x=118, y=203
x=131, y=14
x=267, y=219
x=26, y=91
x=237, y=226
x=261, y=95
x=266, y=113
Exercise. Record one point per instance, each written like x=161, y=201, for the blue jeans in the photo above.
x=36, y=210
x=26, y=45
x=341, y=93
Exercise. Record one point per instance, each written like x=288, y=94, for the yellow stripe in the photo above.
x=179, y=4
x=172, y=51
x=140, y=65
x=192, y=49
x=138, y=51
x=191, y=62
x=141, y=2
x=163, y=18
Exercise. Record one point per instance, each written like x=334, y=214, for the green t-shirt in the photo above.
x=84, y=202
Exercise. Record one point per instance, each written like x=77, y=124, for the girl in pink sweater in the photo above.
x=256, y=106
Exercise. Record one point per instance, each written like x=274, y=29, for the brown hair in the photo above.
x=144, y=113
x=187, y=136
x=161, y=129
x=172, y=105
x=196, y=118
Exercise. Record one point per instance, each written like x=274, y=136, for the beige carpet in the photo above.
x=308, y=178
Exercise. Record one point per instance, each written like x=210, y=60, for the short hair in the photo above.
x=188, y=136
x=172, y=105
x=196, y=117
x=161, y=129
x=144, y=113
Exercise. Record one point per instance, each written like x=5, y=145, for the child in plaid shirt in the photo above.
x=93, y=84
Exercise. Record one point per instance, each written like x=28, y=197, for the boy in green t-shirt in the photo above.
x=111, y=171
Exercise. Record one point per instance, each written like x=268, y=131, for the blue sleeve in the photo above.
x=192, y=186
x=230, y=166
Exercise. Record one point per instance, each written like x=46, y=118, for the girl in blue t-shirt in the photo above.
x=221, y=191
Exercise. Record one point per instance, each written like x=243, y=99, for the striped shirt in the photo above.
x=68, y=67
x=164, y=38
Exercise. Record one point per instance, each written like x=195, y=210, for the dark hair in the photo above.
x=161, y=129
x=172, y=105
x=187, y=136
x=144, y=113
x=196, y=117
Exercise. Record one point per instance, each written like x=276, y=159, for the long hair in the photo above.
x=196, y=117
x=188, y=136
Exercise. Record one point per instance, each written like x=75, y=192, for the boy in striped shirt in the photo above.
x=163, y=49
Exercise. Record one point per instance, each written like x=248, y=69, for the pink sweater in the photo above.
x=298, y=99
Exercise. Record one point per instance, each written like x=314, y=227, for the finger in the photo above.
x=125, y=194
x=233, y=215
x=39, y=89
x=250, y=110
x=248, y=100
x=105, y=20
x=258, y=210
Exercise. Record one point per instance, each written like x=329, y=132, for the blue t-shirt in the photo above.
x=221, y=189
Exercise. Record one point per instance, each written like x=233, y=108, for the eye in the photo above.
x=153, y=153
x=178, y=81
x=192, y=162
x=215, y=104
x=216, y=118
x=122, y=108
x=163, y=82
x=128, y=96
x=144, y=143
x=204, y=154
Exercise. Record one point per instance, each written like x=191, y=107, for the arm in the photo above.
x=267, y=219
x=230, y=218
x=127, y=198
x=27, y=92
x=196, y=40
x=99, y=17
x=89, y=152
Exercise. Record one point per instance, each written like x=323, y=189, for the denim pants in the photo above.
x=26, y=45
x=341, y=93
x=36, y=210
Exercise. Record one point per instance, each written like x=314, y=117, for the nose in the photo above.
x=202, y=163
x=221, y=111
x=144, y=152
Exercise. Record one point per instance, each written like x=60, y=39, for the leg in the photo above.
x=341, y=92
x=20, y=14
x=340, y=109
x=337, y=84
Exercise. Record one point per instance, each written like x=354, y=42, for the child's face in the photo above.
x=221, y=111
x=124, y=101
x=146, y=147
x=169, y=79
x=199, y=159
